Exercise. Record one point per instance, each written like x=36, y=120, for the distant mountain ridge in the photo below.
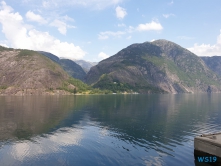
x=154, y=67
x=214, y=63
x=72, y=68
x=86, y=65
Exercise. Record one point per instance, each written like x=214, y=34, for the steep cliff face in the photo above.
x=28, y=72
x=159, y=66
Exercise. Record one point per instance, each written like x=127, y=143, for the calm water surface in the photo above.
x=105, y=129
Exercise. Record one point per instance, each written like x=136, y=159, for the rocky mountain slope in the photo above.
x=28, y=72
x=214, y=63
x=154, y=67
x=72, y=68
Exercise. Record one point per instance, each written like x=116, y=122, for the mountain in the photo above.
x=50, y=56
x=72, y=68
x=86, y=65
x=214, y=63
x=28, y=72
x=160, y=66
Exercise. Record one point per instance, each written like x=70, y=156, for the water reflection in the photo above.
x=107, y=129
x=23, y=117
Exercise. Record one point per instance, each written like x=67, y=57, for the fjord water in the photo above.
x=105, y=129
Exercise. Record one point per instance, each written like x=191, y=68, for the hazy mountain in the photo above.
x=214, y=63
x=86, y=65
x=72, y=68
x=28, y=72
x=50, y=56
x=159, y=66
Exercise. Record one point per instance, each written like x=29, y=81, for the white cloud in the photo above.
x=168, y=15
x=207, y=49
x=35, y=17
x=121, y=25
x=129, y=37
x=6, y=7
x=49, y=4
x=171, y=3
x=185, y=37
x=103, y=36
x=25, y=1
x=20, y=35
x=62, y=26
x=107, y=34
x=67, y=18
x=4, y=45
x=64, y=4
x=130, y=29
x=150, y=26
x=45, y=4
x=102, y=55
x=120, y=12
x=141, y=27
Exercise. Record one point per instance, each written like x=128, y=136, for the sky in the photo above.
x=96, y=29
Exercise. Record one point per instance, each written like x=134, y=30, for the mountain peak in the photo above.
x=162, y=42
x=149, y=67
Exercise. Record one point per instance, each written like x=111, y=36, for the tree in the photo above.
x=75, y=90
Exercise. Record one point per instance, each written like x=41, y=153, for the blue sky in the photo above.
x=95, y=29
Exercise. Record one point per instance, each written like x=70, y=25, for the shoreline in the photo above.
x=64, y=93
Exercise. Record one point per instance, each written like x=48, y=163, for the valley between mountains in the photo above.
x=160, y=66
